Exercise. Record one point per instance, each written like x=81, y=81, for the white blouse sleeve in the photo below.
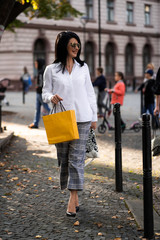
x=91, y=94
x=47, y=91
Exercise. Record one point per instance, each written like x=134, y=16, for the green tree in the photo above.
x=11, y=9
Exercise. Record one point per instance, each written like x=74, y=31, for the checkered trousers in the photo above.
x=71, y=156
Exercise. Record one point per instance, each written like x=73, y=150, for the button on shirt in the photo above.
x=76, y=90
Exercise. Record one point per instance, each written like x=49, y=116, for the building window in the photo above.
x=129, y=60
x=147, y=12
x=130, y=12
x=146, y=56
x=89, y=9
x=110, y=10
x=110, y=59
x=89, y=56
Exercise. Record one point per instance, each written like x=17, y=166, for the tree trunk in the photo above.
x=16, y=10
x=9, y=10
x=5, y=10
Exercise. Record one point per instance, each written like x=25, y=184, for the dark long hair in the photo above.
x=61, y=52
x=121, y=75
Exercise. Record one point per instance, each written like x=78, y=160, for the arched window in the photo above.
x=146, y=56
x=39, y=51
x=110, y=59
x=129, y=60
x=89, y=56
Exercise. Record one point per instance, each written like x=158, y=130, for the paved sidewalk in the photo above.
x=32, y=205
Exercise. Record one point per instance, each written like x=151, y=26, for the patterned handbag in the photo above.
x=155, y=144
x=91, y=147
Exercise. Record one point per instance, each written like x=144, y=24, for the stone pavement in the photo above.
x=32, y=205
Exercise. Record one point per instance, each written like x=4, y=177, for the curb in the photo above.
x=5, y=139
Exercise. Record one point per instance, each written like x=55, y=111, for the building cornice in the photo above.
x=93, y=30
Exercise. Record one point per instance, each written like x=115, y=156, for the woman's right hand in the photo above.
x=56, y=98
x=156, y=110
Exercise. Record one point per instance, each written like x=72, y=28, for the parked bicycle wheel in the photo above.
x=102, y=128
x=137, y=127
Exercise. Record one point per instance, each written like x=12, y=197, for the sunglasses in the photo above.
x=74, y=45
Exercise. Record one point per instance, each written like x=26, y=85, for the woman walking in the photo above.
x=68, y=80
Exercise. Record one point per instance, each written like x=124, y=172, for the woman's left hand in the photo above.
x=94, y=125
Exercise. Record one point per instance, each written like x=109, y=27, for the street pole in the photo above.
x=99, y=30
x=84, y=20
x=147, y=178
x=118, y=149
x=1, y=98
x=141, y=110
x=23, y=93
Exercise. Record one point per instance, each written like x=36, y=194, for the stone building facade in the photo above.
x=130, y=38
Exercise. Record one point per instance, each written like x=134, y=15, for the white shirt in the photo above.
x=76, y=90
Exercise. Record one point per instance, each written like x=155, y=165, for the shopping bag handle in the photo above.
x=54, y=108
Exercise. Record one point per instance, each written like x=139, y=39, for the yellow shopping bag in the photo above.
x=61, y=127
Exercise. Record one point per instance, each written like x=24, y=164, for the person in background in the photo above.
x=100, y=82
x=150, y=66
x=148, y=90
x=26, y=80
x=118, y=93
x=157, y=93
x=40, y=65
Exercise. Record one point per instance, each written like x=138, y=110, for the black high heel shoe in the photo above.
x=77, y=209
x=70, y=214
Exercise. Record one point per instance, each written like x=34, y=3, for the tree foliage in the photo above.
x=11, y=9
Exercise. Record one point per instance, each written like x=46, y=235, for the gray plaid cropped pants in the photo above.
x=71, y=156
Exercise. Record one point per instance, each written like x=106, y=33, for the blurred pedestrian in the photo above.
x=118, y=93
x=68, y=80
x=157, y=93
x=100, y=82
x=26, y=80
x=148, y=90
x=4, y=83
x=150, y=66
x=40, y=65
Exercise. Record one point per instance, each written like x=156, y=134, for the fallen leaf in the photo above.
x=130, y=218
x=4, y=197
x=117, y=239
x=76, y=231
x=98, y=174
x=76, y=223
x=8, y=194
x=100, y=234
x=7, y=170
x=120, y=226
x=114, y=217
x=99, y=225
x=121, y=198
x=50, y=178
x=55, y=187
x=157, y=234
x=94, y=168
x=2, y=164
x=14, y=178
x=25, y=169
x=38, y=236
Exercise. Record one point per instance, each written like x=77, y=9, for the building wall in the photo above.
x=16, y=49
